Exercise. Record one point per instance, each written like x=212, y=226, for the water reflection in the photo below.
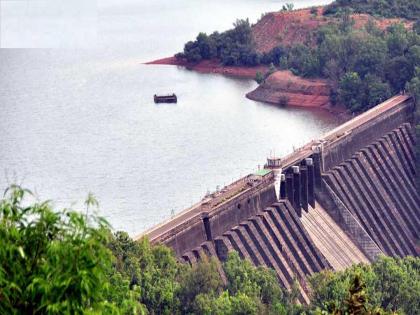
x=80, y=120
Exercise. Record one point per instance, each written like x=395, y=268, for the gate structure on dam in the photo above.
x=345, y=198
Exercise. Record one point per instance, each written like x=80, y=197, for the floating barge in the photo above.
x=165, y=98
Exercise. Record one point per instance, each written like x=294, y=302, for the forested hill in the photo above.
x=409, y=9
x=366, y=59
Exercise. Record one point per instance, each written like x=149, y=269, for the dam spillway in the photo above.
x=343, y=199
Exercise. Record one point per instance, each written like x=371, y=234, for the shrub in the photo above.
x=283, y=100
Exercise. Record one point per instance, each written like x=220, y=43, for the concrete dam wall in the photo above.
x=343, y=199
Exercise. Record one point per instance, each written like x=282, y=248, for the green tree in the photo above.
x=346, y=22
x=54, y=262
x=158, y=282
x=349, y=91
x=206, y=45
x=398, y=284
x=259, y=283
x=288, y=7
x=328, y=291
x=414, y=88
x=259, y=77
x=305, y=60
x=390, y=284
x=371, y=56
x=376, y=91
x=416, y=26
x=409, y=9
x=226, y=304
x=201, y=279
x=397, y=40
x=192, y=52
x=356, y=303
x=398, y=72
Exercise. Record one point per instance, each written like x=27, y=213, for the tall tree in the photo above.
x=54, y=262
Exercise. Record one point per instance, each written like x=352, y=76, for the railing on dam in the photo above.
x=216, y=212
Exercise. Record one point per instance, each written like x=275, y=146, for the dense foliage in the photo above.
x=66, y=262
x=389, y=284
x=409, y=9
x=56, y=262
x=233, y=47
x=414, y=88
x=168, y=287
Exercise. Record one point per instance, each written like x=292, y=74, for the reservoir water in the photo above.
x=77, y=111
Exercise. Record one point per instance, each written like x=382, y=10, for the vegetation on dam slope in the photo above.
x=414, y=88
x=67, y=262
x=366, y=59
x=409, y=9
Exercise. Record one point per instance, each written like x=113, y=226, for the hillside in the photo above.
x=409, y=9
x=292, y=28
x=289, y=28
x=361, y=59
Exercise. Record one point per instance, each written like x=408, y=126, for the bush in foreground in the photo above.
x=56, y=262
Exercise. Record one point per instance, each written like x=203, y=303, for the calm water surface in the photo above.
x=77, y=113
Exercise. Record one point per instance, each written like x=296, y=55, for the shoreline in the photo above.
x=212, y=66
x=305, y=93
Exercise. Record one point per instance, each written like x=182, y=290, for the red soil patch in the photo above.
x=289, y=28
x=286, y=28
x=213, y=66
x=382, y=23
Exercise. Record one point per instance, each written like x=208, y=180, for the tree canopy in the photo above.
x=233, y=48
x=409, y=9
x=56, y=262
x=389, y=284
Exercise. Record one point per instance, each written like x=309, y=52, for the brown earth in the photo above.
x=294, y=27
x=283, y=85
x=286, y=28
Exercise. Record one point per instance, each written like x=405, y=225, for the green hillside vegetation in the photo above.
x=365, y=66
x=414, y=88
x=233, y=48
x=68, y=262
x=409, y=9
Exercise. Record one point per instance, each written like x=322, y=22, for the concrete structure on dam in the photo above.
x=343, y=199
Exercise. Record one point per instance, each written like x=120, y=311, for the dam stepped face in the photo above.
x=343, y=199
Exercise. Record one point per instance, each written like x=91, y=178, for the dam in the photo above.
x=343, y=199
